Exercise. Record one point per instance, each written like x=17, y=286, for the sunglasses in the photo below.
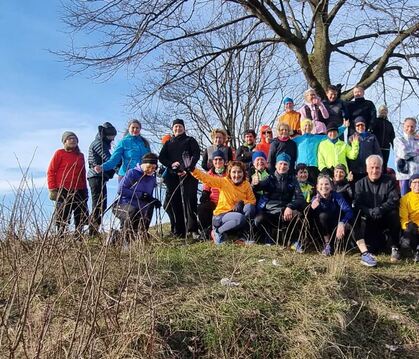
x=265, y=132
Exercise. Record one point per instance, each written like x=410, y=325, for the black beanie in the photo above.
x=150, y=158
x=178, y=121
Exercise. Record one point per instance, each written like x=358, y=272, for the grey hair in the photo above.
x=374, y=158
x=382, y=107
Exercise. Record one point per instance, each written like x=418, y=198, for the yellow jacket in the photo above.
x=292, y=119
x=330, y=154
x=409, y=209
x=230, y=193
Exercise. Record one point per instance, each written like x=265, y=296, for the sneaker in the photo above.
x=327, y=250
x=395, y=255
x=296, y=246
x=216, y=237
x=416, y=257
x=367, y=259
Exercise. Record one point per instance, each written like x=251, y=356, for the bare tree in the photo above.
x=357, y=41
x=240, y=89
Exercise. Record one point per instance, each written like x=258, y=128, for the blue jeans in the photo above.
x=233, y=220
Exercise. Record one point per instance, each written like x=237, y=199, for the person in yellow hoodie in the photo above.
x=236, y=204
x=409, y=217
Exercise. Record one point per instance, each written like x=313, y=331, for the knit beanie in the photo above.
x=150, y=158
x=107, y=129
x=288, y=100
x=331, y=126
x=306, y=121
x=341, y=167
x=218, y=153
x=283, y=157
x=178, y=121
x=257, y=154
x=359, y=119
x=66, y=135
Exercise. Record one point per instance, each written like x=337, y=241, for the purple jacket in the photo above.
x=133, y=186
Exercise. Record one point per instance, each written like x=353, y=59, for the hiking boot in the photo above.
x=395, y=255
x=216, y=237
x=416, y=257
x=327, y=250
x=367, y=259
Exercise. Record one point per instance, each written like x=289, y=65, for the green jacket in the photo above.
x=330, y=154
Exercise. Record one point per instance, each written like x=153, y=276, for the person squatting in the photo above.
x=322, y=183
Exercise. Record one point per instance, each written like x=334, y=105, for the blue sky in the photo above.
x=38, y=98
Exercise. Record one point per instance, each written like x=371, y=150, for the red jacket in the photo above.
x=67, y=170
x=214, y=192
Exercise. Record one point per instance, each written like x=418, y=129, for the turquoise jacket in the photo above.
x=308, y=144
x=130, y=150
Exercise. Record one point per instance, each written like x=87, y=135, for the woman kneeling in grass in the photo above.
x=236, y=204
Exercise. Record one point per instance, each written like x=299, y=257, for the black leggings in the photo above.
x=412, y=234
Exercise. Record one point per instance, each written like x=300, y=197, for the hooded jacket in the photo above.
x=130, y=150
x=263, y=145
x=99, y=152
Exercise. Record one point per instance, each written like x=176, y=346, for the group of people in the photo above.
x=326, y=170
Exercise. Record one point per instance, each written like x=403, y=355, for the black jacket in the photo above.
x=384, y=131
x=99, y=152
x=368, y=145
x=244, y=154
x=345, y=189
x=282, y=190
x=380, y=194
x=173, y=149
x=364, y=108
x=337, y=111
x=277, y=147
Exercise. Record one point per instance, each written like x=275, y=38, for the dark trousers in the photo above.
x=386, y=153
x=68, y=203
x=374, y=231
x=134, y=220
x=99, y=194
x=182, y=192
x=412, y=234
x=205, y=215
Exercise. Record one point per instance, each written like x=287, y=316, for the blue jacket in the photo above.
x=336, y=206
x=130, y=150
x=307, y=145
x=133, y=186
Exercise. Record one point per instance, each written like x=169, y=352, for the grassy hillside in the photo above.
x=165, y=300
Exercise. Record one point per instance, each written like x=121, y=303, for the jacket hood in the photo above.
x=263, y=128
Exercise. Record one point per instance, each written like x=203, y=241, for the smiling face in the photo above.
x=307, y=127
x=71, y=142
x=414, y=185
x=409, y=127
x=218, y=139
x=331, y=95
x=268, y=135
x=282, y=167
x=218, y=162
x=289, y=106
x=134, y=129
x=333, y=134
x=360, y=127
x=178, y=129
x=374, y=169
x=302, y=175
x=358, y=92
x=324, y=186
x=283, y=131
x=259, y=163
x=339, y=175
x=236, y=175
x=148, y=168
x=249, y=138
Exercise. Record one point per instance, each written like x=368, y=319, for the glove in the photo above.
x=238, y=207
x=375, y=213
x=187, y=161
x=157, y=203
x=145, y=197
x=53, y=194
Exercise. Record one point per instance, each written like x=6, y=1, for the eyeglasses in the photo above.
x=265, y=132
